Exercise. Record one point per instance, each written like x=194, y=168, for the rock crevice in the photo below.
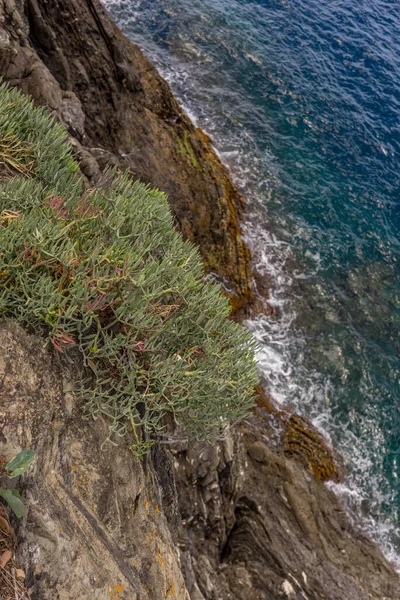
x=250, y=523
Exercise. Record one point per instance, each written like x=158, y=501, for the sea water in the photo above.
x=302, y=101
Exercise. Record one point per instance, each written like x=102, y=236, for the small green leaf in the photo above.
x=20, y=463
x=16, y=494
x=14, y=501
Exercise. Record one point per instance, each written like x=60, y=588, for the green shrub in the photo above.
x=107, y=272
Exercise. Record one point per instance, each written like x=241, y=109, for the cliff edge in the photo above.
x=71, y=57
x=238, y=520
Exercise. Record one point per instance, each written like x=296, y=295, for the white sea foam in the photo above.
x=289, y=379
x=134, y=5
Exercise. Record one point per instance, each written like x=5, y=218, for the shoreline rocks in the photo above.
x=250, y=522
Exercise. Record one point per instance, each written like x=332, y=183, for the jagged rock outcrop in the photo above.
x=255, y=524
x=72, y=58
x=94, y=527
x=250, y=524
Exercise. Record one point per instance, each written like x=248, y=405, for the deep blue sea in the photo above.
x=302, y=100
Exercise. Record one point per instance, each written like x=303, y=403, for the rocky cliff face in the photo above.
x=94, y=527
x=257, y=526
x=72, y=58
x=250, y=522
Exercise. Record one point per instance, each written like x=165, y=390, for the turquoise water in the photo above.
x=302, y=100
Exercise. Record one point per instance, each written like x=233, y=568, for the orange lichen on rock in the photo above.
x=171, y=589
x=302, y=441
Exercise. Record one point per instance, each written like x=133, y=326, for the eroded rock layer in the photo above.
x=257, y=526
x=250, y=521
x=71, y=57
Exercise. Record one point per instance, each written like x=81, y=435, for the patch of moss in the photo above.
x=185, y=147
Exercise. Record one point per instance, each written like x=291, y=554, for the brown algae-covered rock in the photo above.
x=303, y=442
x=300, y=439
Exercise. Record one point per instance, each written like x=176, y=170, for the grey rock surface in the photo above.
x=94, y=527
x=257, y=526
x=249, y=523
